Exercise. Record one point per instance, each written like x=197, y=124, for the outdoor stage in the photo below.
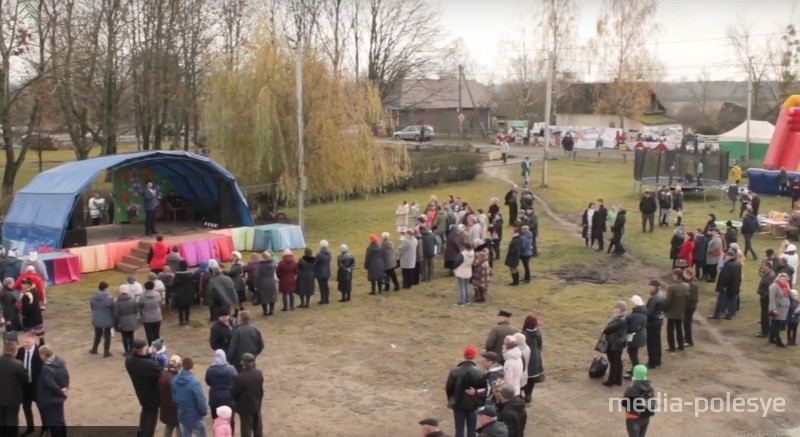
x=125, y=245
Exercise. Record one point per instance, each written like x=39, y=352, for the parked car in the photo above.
x=40, y=141
x=415, y=133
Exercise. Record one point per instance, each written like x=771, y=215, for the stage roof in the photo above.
x=41, y=210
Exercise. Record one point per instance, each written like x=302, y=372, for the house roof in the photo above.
x=438, y=94
x=580, y=98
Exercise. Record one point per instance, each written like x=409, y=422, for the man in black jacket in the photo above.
x=221, y=331
x=247, y=393
x=464, y=376
x=511, y=411
x=8, y=301
x=648, y=208
x=655, y=320
x=14, y=378
x=246, y=339
x=749, y=228
x=52, y=391
x=729, y=284
x=767, y=278
x=144, y=374
x=28, y=355
x=617, y=231
x=598, y=224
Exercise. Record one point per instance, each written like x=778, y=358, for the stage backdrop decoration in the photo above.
x=129, y=186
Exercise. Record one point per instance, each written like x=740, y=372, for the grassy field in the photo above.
x=572, y=185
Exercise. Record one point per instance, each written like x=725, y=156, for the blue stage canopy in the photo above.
x=40, y=211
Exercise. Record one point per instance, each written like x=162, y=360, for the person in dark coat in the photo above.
x=535, y=370
x=28, y=355
x=636, y=331
x=512, y=202
x=30, y=311
x=648, y=207
x=345, y=264
x=464, y=376
x=236, y=273
x=250, y=274
x=699, y=253
x=499, y=332
x=374, y=264
x=768, y=276
x=183, y=292
x=305, y=277
x=691, y=306
x=496, y=234
x=655, y=320
x=8, y=301
x=219, y=379
x=52, y=390
x=246, y=339
x=511, y=411
x=729, y=284
x=615, y=332
x=322, y=272
x=513, y=255
x=617, y=231
x=749, y=228
x=144, y=374
x=264, y=283
x=14, y=378
x=599, y=227
x=429, y=247
x=675, y=310
x=168, y=411
x=102, y=306
x=586, y=225
x=221, y=332
x=453, y=248
x=287, y=279
x=221, y=290
x=248, y=393
x=389, y=262
x=125, y=318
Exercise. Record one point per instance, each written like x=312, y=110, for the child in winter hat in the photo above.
x=222, y=424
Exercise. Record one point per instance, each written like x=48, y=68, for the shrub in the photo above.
x=432, y=169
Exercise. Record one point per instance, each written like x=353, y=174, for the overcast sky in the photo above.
x=692, y=34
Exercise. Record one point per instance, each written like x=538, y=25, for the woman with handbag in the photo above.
x=614, y=334
x=533, y=338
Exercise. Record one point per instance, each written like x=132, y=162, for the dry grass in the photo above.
x=574, y=184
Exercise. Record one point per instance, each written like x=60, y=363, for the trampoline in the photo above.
x=655, y=169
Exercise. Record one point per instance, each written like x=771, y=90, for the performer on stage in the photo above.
x=96, y=204
x=151, y=198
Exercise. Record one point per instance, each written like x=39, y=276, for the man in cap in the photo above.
x=511, y=410
x=639, y=402
x=498, y=333
x=464, y=376
x=144, y=374
x=221, y=290
x=493, y=373
x=675, y=310
x=221, y=331
x=248, y=393
x=430, y=428
x=648, y=208
x=489, y=425
x=655, y=320
x=767, y=278
x=729, y=283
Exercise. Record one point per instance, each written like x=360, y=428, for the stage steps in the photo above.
x=136, y=261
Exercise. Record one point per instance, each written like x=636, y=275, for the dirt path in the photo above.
x=714, y=367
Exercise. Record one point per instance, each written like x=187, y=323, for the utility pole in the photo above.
x=547, y=114
x=749, y=109
x=301, y=182
x=460, y=116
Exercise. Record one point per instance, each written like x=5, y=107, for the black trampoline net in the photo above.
x=674, y=167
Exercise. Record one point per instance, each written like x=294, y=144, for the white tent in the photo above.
x=760, y=132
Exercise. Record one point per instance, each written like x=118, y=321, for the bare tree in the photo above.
x=88, y=72
x=699, y=89
x=557, y=23
x=26, y=46
x=335, y=31
x=786, y=64
x=402, y=41
x=526, y=72
x=622, y=31
x=233, y=29
x=754, y=59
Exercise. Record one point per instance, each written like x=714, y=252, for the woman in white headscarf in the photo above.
x=236, y=273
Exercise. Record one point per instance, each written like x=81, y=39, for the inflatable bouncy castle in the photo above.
x=783, y=152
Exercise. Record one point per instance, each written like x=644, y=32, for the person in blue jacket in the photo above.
x=187, y=394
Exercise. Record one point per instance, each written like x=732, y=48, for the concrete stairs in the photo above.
x=136, y=261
